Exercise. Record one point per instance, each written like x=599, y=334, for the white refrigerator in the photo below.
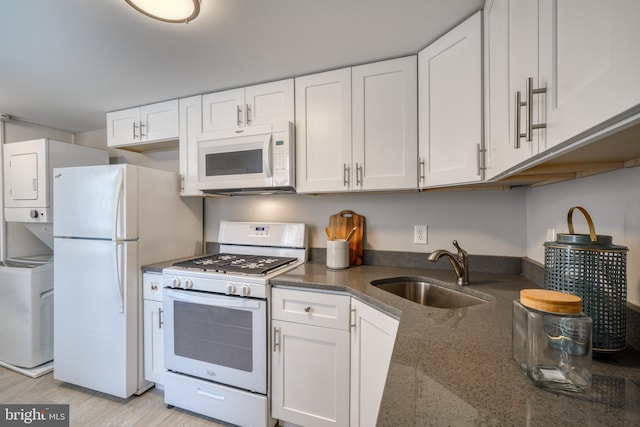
x=109, y=221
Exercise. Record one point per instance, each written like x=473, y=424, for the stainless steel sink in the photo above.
x=422, y=291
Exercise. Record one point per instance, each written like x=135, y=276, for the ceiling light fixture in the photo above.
x=174, y=11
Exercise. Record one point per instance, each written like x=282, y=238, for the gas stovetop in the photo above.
x=258, y=265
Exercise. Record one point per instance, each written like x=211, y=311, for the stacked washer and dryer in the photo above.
x=26, y=270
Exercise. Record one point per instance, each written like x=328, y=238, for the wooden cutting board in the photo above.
x=339, y=226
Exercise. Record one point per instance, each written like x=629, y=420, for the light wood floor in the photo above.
x=93, y=409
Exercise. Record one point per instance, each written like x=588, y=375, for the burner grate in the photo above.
x=236, y=263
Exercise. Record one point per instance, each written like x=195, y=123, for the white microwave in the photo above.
x=259, y=159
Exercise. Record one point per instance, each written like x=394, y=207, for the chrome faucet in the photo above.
x=460, y=262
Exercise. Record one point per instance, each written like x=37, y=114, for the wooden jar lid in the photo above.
x=551, y=301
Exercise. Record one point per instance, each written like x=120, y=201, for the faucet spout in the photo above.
x=459, y=262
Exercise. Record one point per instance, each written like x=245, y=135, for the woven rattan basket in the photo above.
x=590, y=266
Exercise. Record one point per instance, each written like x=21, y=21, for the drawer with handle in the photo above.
x=152, y=286
x=311, y=308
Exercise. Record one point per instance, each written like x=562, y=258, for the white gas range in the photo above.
x=216, y=321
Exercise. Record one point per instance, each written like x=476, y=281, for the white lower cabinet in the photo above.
x=330, y=357
x=310, y=358
x=372, y=339
x=153, y=340
x=310, y=376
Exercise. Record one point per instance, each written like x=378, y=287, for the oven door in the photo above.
x=217, y=337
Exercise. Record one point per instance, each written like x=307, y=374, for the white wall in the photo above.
x=613, y=202
x=165, y=160
x=483, y=222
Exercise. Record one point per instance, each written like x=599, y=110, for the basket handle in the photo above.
x=592, y=230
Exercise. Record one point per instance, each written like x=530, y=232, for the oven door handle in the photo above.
x=215, y=300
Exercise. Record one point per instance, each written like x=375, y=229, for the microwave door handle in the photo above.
x=267, y=157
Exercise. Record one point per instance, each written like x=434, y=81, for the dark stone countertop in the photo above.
x=453, y=367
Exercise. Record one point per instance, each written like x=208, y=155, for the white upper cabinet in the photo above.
x=356, y=128
x=323, y=131
x=589, y=63
x=190, y=131
x=450, y=107
x=144, y=128
x=573, y=65
x=237, y=108
x=511, y=58
x=385, y=128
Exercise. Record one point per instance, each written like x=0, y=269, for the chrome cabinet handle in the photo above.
x=248, y=114
x=238, y=115
x=358, y=175
x=518, y=117
x=276, y=339
x=529, y=101
x=421, y=165
x=135, y=127
x=528, y=104
x=141, y=132
x=352, y=323
x=160, y=321
x=345, y=176
x=481, y=160
x=307, y=309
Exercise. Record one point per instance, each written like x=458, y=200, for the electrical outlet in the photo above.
x=420, y=234
x=551, y=234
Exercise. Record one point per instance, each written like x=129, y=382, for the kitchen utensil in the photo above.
x=339, y=226
x=350, y=235
x=330, y=236
x=591, y=267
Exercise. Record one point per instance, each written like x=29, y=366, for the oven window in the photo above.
x=217, y=335
x=233, y=163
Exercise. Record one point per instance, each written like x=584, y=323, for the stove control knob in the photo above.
x=231, y=289
x=245, y=291
x=175, y=283
x=188, y=284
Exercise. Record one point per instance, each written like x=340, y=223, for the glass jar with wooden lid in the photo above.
x=551, y=339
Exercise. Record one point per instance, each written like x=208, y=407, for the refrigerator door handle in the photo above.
x=116, y=205
x=118, y=282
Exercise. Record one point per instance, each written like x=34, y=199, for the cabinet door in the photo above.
x=159, y=121
x=498, y=127
x=123, y=127
x=190, y=128
x=223, y=110
x=372, y=341
x=589, y=63
x=153, y=342
x=269, y=103
x=22, y=181
x=385, y=129
x=511, y=56
x=450, y=93
x=523, y=64
x=323, y=131
x=310, y=375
